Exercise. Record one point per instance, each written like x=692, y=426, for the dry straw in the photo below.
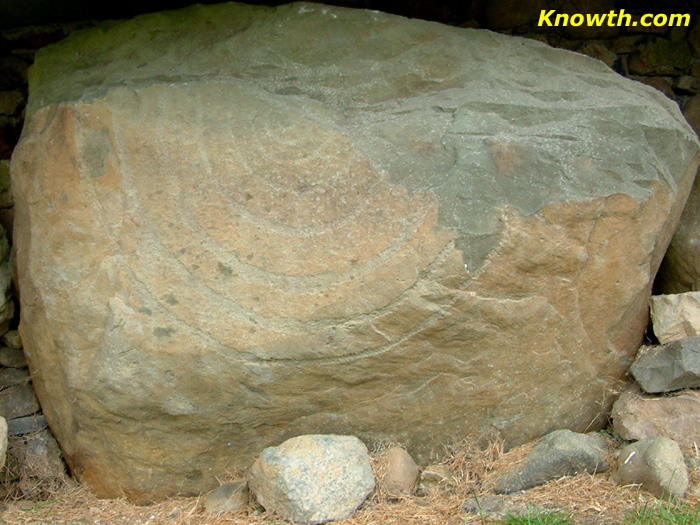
x=592, y=499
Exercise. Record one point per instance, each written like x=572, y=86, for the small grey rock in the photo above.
x=12, y=358
x=12, y=339
x=229, y=497
x=26, y=425
x=559, y=453
x=18, y=401
x=313, y=479
x=13, y=376
x=656, y=464
x=669, y=367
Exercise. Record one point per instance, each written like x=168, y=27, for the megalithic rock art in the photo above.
x=239, y=224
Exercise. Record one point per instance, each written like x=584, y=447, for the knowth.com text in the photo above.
x=550, y=18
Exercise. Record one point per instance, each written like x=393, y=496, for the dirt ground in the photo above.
x=590, y=499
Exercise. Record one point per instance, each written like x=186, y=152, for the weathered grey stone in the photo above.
x=656, y=464
x=214, y=210
x=13, y=376
x=636, y=416
x=229, y=497
x=669, y=367
x=437, y=478
x=12, y=357
x=313, y=479
x=8, y=311
x=26, y=425
x=675, y=316
x=559, y=453
x=12, y=339
x=18, y=401
x=401, y=472
x=3, y=442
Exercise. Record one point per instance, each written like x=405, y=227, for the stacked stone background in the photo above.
x=665, y=400
x=33, y=456
x=667, y=59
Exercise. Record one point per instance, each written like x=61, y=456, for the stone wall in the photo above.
x=33, y=455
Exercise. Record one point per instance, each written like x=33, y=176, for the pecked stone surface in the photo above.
x=229, y=233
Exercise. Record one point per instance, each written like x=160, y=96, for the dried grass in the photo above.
x=34, y=466
x=592, y=499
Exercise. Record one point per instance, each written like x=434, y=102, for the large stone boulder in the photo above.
x=240, y=224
